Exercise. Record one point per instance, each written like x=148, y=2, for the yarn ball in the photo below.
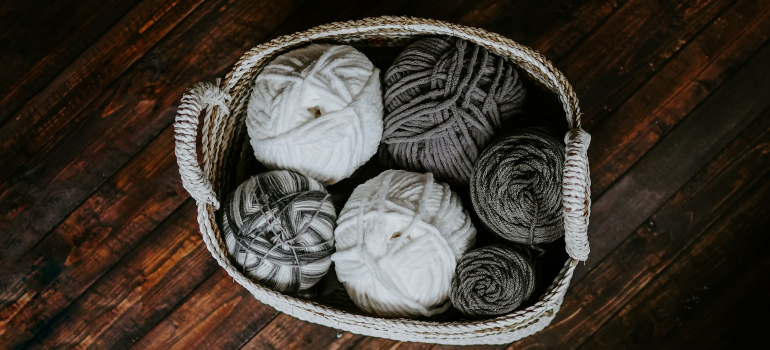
x=492, y=281
x=516, y=189
x=316, y=110
x=445, y=100
x=279, y=229
x=398, y=240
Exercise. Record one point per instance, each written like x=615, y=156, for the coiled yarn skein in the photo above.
x=279, y=229
x=398, y=240
x=492, y=281
x=445, y=100
x=316, y=110
x=516, y=188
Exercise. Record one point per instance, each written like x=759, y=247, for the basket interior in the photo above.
x=542, y=109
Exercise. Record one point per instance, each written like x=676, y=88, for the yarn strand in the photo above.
x=516, y=187
x=492, y=281
x=445, y=100
x=398, y=240
x=316, y=110
x=279, y=229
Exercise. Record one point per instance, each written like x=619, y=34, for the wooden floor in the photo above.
x=99, y=243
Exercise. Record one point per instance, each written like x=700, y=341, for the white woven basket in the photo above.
x=224, y=116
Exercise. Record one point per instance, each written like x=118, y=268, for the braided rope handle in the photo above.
x=199, y=97
x=577, y=193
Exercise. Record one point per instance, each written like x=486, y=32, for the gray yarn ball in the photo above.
x=492, y=281
x=516, y=188
x=279, y=229
x=445, y=100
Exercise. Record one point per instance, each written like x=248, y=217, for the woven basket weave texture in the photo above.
x=223, y=109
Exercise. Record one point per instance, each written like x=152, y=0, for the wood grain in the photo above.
x=61, y=31
x=658, y=239
x=132, y=297
x=629, y=47
x=86, y=229
x=679, y=87
x=554, y=27
x=674, y=160
x=103, y=250
x=140, y=105
x=92, y=239
x=84, y=79
x=708, y=275
x=215, y=315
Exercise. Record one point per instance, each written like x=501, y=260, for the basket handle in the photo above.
x=577, y=193
x=200, y=96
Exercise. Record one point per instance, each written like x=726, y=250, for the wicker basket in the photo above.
x=224, y=147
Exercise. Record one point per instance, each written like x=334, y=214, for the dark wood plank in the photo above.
x=218, y=313
x=554, y=27
x=680, y=86
x=736, y=319
x=662, y=236
x=85, y=78
x=89, y=242
x=137, y=107
x=708, y=275
x=44, y=38
x=673, y=161
x=629, y=48
x=214, y=317
x=469, y=347
x=132, y=297
x=10, y=11
x=120, y=213
x=379, y=343
x=470, y=13
x=286, y=332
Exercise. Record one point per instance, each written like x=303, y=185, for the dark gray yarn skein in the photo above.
x=279, y=229
x=492, y=281
x=445, y=100
x=516, y=187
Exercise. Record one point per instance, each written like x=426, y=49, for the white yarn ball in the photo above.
x=398, y=240
x=316, y=110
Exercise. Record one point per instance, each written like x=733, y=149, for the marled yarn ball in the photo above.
x=492, y=281
x=445, y=100
x=316, y=110
x=279, y=229
x=516, y=188
x=398, y=240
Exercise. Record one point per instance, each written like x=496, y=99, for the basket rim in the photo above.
x=218, y=131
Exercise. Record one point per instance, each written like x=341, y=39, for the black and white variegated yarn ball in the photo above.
x=279, y=229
